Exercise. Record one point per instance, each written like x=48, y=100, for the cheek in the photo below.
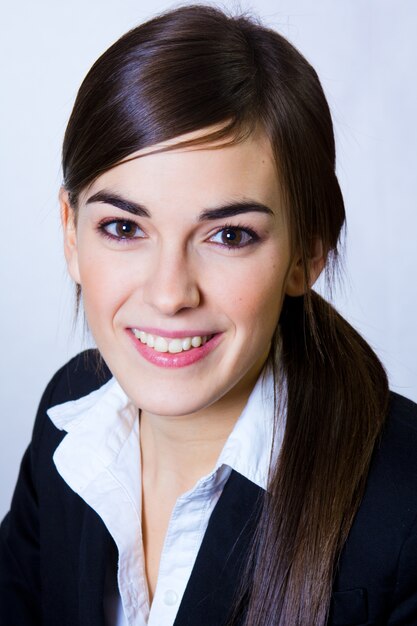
x=253, y=299
x=104, y=285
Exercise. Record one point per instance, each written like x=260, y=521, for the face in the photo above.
x=184, y=259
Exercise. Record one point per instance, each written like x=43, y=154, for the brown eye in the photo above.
x=126, y=229
x=122, y=229
x=234, y=237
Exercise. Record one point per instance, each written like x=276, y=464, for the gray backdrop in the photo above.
x=365, y=53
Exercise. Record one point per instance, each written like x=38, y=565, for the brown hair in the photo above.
x=193, y=67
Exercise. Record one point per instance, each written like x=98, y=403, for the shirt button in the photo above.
x=170, y=597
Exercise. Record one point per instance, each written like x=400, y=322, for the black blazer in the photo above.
x=54, y=548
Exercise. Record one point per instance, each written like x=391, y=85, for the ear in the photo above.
x=295, y=281
x=69, y=228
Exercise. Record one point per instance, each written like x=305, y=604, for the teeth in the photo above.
x=186, y=343
x=174, y=346
x=161, y=344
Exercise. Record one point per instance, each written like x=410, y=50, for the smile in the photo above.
x=173, y=346
x=174, y=352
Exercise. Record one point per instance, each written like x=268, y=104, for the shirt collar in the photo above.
x=100, y=424
x=248, y=448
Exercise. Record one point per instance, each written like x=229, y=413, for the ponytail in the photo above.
x=336, y=397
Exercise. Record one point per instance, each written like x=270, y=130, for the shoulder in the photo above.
x=387, y=515
x=391, y=492
x=395, y=453
x=83, y=374
x=392, y=482
x=403, y=412
x=40, y=537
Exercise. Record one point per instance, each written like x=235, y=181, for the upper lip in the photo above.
x=175, y=334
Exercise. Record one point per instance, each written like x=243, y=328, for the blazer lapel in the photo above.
x=209, y=594
x=96, y=552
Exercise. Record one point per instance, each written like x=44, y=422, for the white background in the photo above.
x=366, y=56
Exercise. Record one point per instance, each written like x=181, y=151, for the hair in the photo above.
x=196, y=66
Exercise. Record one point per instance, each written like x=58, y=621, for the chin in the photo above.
x=168, y=408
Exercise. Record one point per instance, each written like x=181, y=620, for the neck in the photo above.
x=177, y=451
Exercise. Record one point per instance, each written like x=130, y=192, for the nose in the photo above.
x=171, y=285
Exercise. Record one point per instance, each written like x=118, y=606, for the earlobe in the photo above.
x=70, y=235
x=296, y=284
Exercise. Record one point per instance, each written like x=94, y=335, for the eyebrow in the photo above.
x=227, y=210
x=119, y=203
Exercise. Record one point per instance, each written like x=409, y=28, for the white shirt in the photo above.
x=100, y=460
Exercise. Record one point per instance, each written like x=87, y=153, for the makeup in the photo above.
x=180, y=359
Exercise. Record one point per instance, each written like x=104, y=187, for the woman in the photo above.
x=231, y=453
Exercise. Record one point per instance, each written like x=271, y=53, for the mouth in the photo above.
x=174, y=352
x=167, y=344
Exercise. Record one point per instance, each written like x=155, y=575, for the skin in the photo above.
x=177, y=273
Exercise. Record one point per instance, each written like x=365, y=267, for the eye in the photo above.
x=234, y=237
x=121, y=229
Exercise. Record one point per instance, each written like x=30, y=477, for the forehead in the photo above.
x=196, y=175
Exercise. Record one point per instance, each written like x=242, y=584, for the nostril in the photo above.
x=171, y=296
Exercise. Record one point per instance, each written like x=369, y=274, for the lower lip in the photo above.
x=180, y=359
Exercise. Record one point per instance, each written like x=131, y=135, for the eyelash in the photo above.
x=103, y=225
x=254, y=237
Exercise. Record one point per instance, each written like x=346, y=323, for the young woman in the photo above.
x=231, y=453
